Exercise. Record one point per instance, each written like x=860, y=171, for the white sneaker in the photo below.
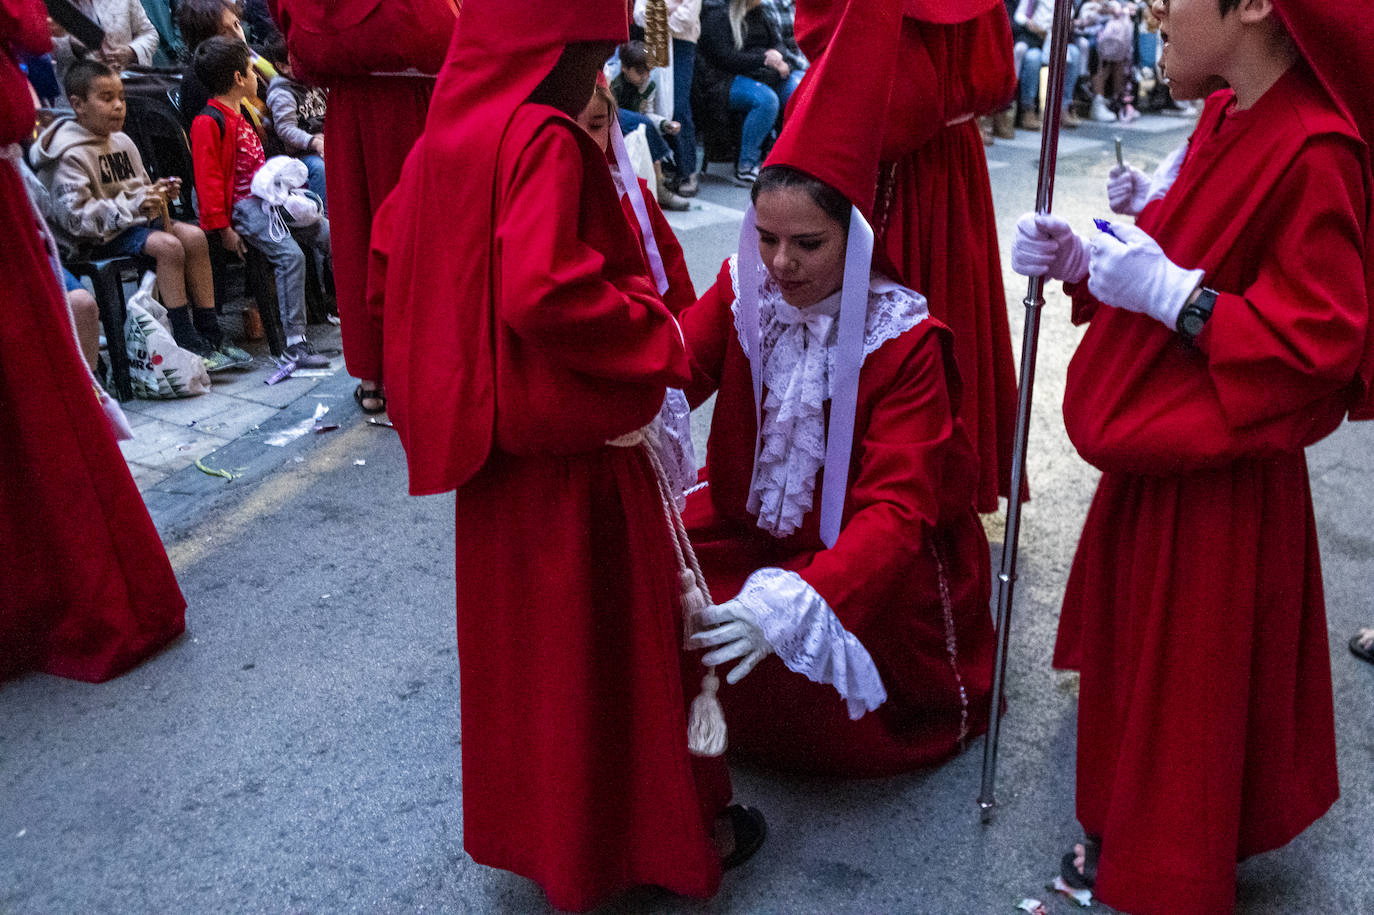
x=1101, y=113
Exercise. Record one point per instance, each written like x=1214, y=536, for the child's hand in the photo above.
x=671, y=128
x=231, y=241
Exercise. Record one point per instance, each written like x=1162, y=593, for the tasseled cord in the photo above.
x=706, y=722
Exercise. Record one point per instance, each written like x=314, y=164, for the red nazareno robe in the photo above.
x=1194, y=607
x=934, y=204
x=360, y=50
x=86, y=590
x=908, y=575
x=522, y=334
x=680, y=293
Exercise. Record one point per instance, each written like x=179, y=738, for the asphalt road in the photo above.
x=298, y=751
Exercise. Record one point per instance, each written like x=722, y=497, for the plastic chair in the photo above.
x=107, y=276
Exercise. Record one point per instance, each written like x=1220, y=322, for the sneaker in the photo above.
x=215, y=361
x=1101, y=112
x=1070, y=119
x=1128, y=113
x=305, y=357
x=745, y=177
x=240, y=358
x=688, y=187
x=1029, y=121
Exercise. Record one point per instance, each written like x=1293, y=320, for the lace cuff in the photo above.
x=805, y=633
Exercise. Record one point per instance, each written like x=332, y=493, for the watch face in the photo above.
x=1193, y=323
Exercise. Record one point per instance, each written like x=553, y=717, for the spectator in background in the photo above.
x=297, y=116
x=258, y=25
x=202, y=19
x=742, y=68
x=1031, y=25
x=130, y=37
x=634, y=95
x=684, y=22
x=783, y=13
x=103, y=204
x=169, y=47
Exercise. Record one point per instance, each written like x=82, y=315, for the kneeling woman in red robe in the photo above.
x=525, y=347
x=842, y=529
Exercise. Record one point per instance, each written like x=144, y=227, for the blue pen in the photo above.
x=1105, y=226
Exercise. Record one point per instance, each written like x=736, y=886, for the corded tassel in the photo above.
x=694, y=604
x=706, y=723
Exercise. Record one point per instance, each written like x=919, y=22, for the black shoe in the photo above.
x=750, y=831
x=1085, y=879
x=687, y=187
x=745, y=177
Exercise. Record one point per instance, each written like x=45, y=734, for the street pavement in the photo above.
x=297, y=751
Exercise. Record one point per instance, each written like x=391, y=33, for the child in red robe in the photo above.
x=523, y=336
x=933, y=211
x=842, y=527
x=1227, y=330
x=87, y=589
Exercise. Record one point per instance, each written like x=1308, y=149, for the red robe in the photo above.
x=1194, y=607
x=374, y=120
x=934, y=204
x=522, y=334
x=908, y=512
x=87, y=589
x=680, y=293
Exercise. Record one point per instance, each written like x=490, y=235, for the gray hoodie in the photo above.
x=95, y=183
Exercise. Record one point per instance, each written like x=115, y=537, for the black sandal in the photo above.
x=1087, y=878
x=359, y=395
x=750, y=831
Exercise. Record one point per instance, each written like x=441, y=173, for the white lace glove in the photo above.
x=793, y=620
x=1131, y=271
x=1128, y=190
x=737, y=632
x=1046, y=246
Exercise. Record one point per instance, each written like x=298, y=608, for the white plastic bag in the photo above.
x=158, y=368
x=637, y=145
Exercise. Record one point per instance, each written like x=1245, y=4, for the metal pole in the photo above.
x=1034, y=302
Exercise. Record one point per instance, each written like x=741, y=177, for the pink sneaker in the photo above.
x=1128, y=113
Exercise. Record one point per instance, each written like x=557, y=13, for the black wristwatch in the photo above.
x=1194, y=315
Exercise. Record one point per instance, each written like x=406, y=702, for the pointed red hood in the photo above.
x=817, y=20
x=433, y=236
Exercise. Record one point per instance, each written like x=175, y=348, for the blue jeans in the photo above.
x=658, y=147
x=1030, y=75
x=286, y=257
x=685, y=143
x=314, y=170
x=761, y=106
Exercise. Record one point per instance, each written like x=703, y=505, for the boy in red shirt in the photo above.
x=228, y=153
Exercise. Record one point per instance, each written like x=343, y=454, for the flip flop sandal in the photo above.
x=750, y=831
x=359, y=395
x=1360, y=651
x=1088, y=877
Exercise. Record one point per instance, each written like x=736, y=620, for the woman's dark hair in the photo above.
x=200, y=19
x=778, y=177
x=217, y=60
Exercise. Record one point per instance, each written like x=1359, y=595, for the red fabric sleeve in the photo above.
x=553, y=291
x=24, y=26
x=709, y=326
x=894, y=496
x=681, y=293
x=1083, y=302
x=1301, y=325
x=211, y=181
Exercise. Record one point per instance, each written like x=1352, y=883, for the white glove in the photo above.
x=1131, y=271
x=1167, y=172
x=1128, y=190
x=737, y=632
x=1045, y=246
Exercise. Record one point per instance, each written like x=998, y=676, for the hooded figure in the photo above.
x=378, y=60
x=523, y=334
x=933, y=212
x=1227, y=330
x=88, y=591
x=838, y=510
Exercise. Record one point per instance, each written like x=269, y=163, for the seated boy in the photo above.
x=227, y=153
x=634, y=95
x=297, y=116
x=103, y=204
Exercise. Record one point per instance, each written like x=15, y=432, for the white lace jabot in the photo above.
x=798, y=353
